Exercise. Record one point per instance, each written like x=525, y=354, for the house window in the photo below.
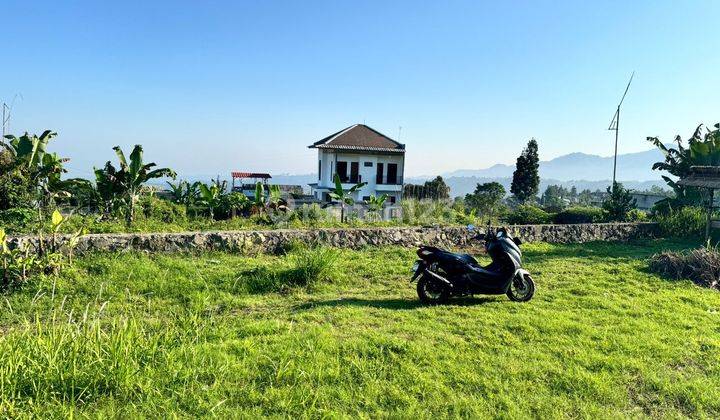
x=366, y=198
x=392, y=199
x=319, y=170
x=368, y=164
x=379, y=177
x=341, y=170
x=354, y=172
x=392, y=173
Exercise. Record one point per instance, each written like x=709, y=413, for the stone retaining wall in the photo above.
x=272, y=241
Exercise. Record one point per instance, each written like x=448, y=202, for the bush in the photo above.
x=683, y=223
x=574, y=215
x=18, y=219
x=163, y=210
x=637, y=215
x=702, y=266
x=526, y=214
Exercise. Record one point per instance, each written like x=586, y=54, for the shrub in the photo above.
x=526, y=214
x=573, y=215
x=163, y=210
x=637, y=215
x=702, y=266
x=232, y=204
x=18, y=219
x=683, y=223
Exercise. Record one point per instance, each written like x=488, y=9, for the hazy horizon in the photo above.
x=209, y=88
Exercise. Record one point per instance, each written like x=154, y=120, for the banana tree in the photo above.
x=375, y=203
x=211, y=196
x=133, y=175
x=184, y=192
x=343, y=197
x=259, y=199
x=703, y=149
x=44, y=169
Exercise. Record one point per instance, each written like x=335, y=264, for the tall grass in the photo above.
x=304, y=267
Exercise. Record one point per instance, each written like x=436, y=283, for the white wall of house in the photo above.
x=367, y=170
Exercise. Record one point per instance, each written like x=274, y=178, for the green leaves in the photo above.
x=56, y=219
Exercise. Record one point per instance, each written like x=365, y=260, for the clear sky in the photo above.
x=209, y=86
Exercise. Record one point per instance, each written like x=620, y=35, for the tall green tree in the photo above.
x=435, y=189
x=487, y=198
x=618, y=203
x=526, y=180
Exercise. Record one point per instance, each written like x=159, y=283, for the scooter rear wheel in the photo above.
x=431, y=291
x=521, y=288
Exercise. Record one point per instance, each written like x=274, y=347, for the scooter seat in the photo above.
x=482, y=271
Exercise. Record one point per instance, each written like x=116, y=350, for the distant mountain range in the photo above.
x=580, y=166
x=581, y=170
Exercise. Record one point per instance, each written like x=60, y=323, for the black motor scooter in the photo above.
x=441, y=274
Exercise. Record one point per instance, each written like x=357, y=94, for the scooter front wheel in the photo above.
x=431, y=291
x=522, y=288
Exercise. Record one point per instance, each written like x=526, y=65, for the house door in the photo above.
x=354, y=172
x=379, y=176
x=392, y=173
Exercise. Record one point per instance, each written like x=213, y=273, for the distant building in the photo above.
x=646, y=201
x=360, y=154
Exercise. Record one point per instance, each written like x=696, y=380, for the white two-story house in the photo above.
x=360, y=154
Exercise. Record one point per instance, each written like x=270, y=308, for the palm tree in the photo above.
x=133, y=175
x=344, y=198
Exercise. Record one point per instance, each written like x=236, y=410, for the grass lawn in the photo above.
x=155, y=336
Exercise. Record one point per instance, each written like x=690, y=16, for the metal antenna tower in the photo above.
x=615, y=126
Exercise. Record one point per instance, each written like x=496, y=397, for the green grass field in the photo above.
x=161, y=336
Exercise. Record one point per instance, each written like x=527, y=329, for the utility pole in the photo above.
x=615, y=126
x=5, y=119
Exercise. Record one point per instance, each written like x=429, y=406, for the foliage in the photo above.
x=637, y=215
x=211, y=195
x=16, y=188
x=435, y=189
x=487, y=198
x=50, y=256
x=701, y=265
x=19, y=219
x=686, y=222
x=526, y=180
x=163, y=210
x=124, y=186
x=703, y=149
x=232, y=203
x=527, y=214
x=619, y=203
x=375, y=205
x=556, y=198
x=184, y=192
x=343, y=197
x=573, y=215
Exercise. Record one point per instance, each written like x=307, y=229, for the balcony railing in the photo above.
x=385, y=180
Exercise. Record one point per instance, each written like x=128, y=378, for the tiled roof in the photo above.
x=250, y=175
x=359, y=137
x=703, y=177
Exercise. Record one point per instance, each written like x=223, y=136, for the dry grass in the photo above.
x=701, y=265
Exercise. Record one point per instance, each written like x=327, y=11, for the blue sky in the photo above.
x=212, y=86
